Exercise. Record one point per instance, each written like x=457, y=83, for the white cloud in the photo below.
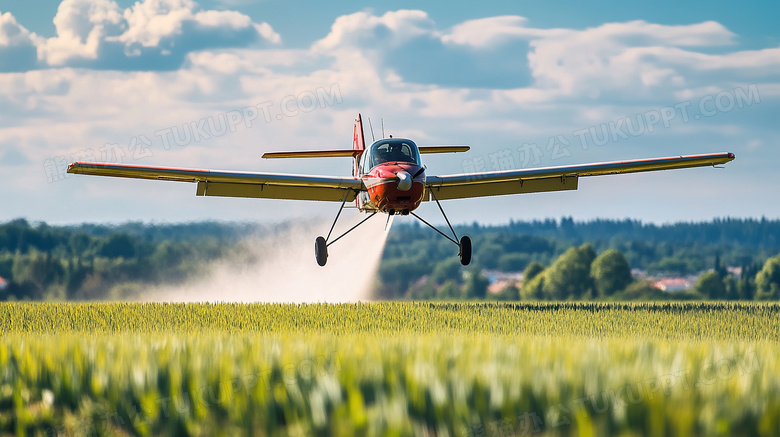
x=153, y=20
x=17, y=45
x=641, y=33
x=366, y=31
x=491, y=31
x=11, y=32
x=408, y=45
x=82, y=28
x=149, y=35
x=614, y=60
x=621, y=59
x=426, y=81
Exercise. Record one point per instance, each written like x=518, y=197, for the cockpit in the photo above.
x=390, y=150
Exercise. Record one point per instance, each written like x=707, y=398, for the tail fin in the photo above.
x=358, y=144
x=358, y=141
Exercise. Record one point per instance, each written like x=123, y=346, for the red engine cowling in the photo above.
x=394, y=186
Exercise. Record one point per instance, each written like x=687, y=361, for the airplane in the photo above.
x=389, y=177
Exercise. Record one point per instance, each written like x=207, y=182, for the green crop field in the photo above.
x=443, y=369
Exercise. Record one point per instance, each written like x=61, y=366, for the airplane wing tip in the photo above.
x=73, y=166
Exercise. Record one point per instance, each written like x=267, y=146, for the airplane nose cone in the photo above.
x=404, y=181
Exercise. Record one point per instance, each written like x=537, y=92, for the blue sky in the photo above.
x=214, y=84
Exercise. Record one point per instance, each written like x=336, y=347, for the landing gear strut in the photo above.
x=464, y=245
x=321, y=244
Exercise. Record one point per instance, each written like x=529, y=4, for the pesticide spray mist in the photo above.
x=284, y=268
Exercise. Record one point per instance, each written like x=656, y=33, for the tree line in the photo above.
x=560, y=259
x=580, y=274
x=585, y=260
x=96, y=262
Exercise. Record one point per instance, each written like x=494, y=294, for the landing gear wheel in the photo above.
x=465, y=250
x=321, y=251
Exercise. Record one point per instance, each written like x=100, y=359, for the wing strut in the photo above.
x=321, y=244
x=343, y=202
x=353, y=228
x=464, y=244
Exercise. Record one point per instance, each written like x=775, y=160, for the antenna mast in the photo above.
x=372, y=129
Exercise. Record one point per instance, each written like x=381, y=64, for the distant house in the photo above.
x=673, y=284
x=3, y=283
x=499, y=280
x=735, y=271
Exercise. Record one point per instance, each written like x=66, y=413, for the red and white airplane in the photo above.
x=389, y=177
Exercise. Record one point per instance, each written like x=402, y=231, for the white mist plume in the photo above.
x=285, y=269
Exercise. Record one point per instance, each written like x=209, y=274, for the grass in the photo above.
x=390, y=369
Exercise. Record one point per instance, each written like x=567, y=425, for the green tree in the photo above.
x=569, y=276
x=509, y=292
x=425, y=292
x=449, y=269
x=532, y=270
x=476, y=284
x=513, y=262
x=611, y=273
x=488, y=254
x=672, y=265
x=768, y=280
x=40, y=270
x=720, y=269
x=79, y=244
x=640, y=290
x=732, y=288
x=450, y=290
x=533, y=289
x=397, y=274
x=711, y=285
x=117, y=245
x=746, y=286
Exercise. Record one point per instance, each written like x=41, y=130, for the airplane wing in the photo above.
x=536, y=180
x=352, y=153
x=235, y=184
x=443, y=149
x=313, y=154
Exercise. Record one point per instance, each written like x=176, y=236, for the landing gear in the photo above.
x=321, y=244
x=321, y=251
x=464, y=245
x=465, y=250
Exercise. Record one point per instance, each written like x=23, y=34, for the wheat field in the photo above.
x=390, y=369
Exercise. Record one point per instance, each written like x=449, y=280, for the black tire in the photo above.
x=465, y=250
x=321, y=251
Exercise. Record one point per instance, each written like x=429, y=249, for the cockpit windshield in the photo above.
x=391, y=150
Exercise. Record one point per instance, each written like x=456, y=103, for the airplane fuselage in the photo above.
x=391, y=188
x=393, y=176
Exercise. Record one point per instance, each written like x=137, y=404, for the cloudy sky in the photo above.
x=215, y=84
